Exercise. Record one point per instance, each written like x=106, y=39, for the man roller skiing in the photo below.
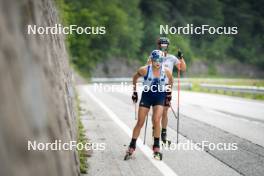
x=169, y=61
x=153, y=94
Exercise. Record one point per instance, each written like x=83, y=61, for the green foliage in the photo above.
x=123, y=31
x=178, y=42
x=133, y=28
x=217, y=50
x=81, y=138
x=82, y=153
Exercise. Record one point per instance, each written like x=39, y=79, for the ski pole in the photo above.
x=178, y=104
x=174, y=113
x=145, y=130
x=135, y=111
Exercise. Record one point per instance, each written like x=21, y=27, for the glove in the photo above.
x=168, y=98
x=180, y=55
x=135, y=97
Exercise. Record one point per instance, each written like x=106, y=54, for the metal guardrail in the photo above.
x=183, y=79
x=239, y=89
x=184, y=85
x=110, y=80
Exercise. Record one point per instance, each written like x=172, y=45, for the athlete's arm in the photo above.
x=148, y=61
x=182, y=64
x=170, y=77
x=142, y=71
x=169, y=89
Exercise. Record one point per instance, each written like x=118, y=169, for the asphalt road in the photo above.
x=215, y=119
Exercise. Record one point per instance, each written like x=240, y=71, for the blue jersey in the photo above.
x=154, y=83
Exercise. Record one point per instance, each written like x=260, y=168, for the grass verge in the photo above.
x=81, y=139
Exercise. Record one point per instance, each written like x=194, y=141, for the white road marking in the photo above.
x=163, y=168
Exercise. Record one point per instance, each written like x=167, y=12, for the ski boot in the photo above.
x=129, y=153
x=156, y=153
x=164, y=139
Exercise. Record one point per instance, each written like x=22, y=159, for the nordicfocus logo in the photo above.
x=71, y=29
x=59, y=145
x=127, y=87
x=203, y=146
x=190, y=29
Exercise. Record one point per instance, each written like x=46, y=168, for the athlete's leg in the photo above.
x=164, y=124
x=157, y=113
x=164, y=120
x=142, y=112
x=152, y=119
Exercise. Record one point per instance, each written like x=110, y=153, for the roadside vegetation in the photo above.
x=229, y=82
x=133, y=27
x=81, y=139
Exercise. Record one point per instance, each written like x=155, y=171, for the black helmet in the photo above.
x=163, y=40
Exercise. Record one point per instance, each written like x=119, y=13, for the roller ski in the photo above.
x=156, y=154
x=129, y=153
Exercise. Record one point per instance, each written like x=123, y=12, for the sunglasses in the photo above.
x=160, y=60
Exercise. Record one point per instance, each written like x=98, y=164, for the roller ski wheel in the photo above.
x=156, y=154
x=129, y=154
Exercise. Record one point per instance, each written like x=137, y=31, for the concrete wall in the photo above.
x=36, y=92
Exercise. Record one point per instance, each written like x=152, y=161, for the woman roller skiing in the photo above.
x=153, y=94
